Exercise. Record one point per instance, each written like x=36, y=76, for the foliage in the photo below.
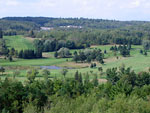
x=89, y=55
x=3, y=47
x=30, y=54
x=64, y=53
x=46, y=74
x=117, y=95
x=124, y=50
x=2, y=70
x=146, y=44
x=31, y=74
x=1, y=33
x=64, y=72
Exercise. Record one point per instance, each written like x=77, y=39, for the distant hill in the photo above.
x=37, y=22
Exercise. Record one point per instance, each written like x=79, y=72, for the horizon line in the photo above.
x=74, y=18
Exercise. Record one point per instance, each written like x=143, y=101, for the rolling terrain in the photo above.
x=136, y=61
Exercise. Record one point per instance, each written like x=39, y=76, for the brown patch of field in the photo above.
x=102, y=80
x=74, y=65
x=94, y=46
x=32, y=39
x=113, y=59
x=47, y=55
x=1, y=57
x=19, y=67
x=147, y=69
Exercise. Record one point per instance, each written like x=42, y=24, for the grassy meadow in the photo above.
x=136, y=61
x=18, y=42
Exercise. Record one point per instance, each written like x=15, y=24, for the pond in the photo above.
x=50, y=67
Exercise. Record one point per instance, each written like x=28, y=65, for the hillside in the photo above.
x=74, y=65
x=84, y=22
x=18, y=42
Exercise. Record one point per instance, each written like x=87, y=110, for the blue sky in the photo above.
x=102, y=9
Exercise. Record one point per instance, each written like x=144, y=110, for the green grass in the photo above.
x=32, y=62
x=136, y=61
x=18, y=42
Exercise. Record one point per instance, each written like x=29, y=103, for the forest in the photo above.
x=74, y=65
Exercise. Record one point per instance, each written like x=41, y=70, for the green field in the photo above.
x=136, y=61
x=18, y=42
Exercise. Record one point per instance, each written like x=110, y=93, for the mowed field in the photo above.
x=18, y=42
x=136, y=61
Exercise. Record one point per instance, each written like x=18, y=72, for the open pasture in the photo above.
x=136, y=61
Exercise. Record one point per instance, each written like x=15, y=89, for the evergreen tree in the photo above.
x=86, y=80
x=145, y=53
x=1, y=33
x=100, y=69
x=112, y=48
x=2, y=70
x=20, y=54
x=46, y=73
x=105, y=52
x=10, y=58
x=141, y=51
x=95, y=80
x=76, y=76
x=94, y=65
x=56, y=54
x=80, y=78
x=91, y=66
x=64, y=72
x=129, y=46
x=31, y=74
x=31, y=34
x=76, y=58
x=75, y=53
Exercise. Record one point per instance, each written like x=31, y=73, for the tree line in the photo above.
x=50, y=45
x=89, y=55
x=96, y=31
x=123, y=49
x=29, y=54
x=48, y=95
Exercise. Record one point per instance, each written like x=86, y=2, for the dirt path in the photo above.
x=113, y=59
x=102, y=80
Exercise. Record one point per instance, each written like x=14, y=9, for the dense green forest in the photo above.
x=125, y=91
x=81, y=31
x=74, y=65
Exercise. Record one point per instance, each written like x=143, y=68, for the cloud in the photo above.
x=108, y=9
x=8, y=3
x=12, y=3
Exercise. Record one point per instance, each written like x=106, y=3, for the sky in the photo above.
x=98, y=9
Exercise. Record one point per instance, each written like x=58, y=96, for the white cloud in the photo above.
x=136, y=3
x=110, y=9
x=8, y=3
x=45, y=3
x=12, y=3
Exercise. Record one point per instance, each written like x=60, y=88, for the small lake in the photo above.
x=50, y=67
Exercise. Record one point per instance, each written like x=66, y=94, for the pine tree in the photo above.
x=145, y=53
x=56, y=54
x=76, y=76
x=20, y=54
x=2, y=70
x=31, y=34
x=105, y=52
x=86, y=80
x=1, y=33
x=46, y=74
x=95, y=81
x=10, y=58
x=80, y=78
